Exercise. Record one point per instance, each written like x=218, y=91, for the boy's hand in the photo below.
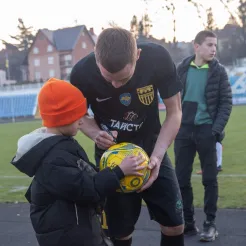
x=131, y=165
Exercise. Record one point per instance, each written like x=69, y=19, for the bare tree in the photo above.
x=25, y=36
x=239, y=18
x=113, y=24
x=134, y=26
x=170, y=6
x=147, y=24
x=211, y=25
x=141, y=28
x=234, y=16
x=199, y=8
x=242, y=16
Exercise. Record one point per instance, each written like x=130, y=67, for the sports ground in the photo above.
x=15, y=227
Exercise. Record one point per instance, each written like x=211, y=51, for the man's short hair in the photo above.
x=115, y=48
x=201, y=36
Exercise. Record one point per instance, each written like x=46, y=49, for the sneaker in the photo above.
x=219, y=168
x=199, y=172
x=209, y=232
x=190, y=229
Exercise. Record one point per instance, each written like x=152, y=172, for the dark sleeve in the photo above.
x=225, y=103
x=167, y=80
x=179, y=68
x=70, y=183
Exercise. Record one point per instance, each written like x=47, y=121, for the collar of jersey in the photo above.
x=206, y=66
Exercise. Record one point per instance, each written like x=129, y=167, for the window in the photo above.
x=68, y=70
x=37, y=75
x=49, y=48
x=35, y=50
x=67, y=57
x=84, y=45
x=52, y=73
x=36, y=62
x=50, y=60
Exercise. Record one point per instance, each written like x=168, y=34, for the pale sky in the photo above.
x=54, y=14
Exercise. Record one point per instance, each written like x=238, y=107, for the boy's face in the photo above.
x=207, y=49
x=71, y=129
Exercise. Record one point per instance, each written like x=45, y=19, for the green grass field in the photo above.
x=232, y=181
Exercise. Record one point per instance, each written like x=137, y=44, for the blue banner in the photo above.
x=238, y=86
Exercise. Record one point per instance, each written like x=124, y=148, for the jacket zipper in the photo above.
x=76, y=212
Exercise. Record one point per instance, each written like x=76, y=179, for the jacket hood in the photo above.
x=32, y=148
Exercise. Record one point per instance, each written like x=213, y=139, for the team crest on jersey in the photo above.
x=126, y=99
x=146, y=94
x=130, y=116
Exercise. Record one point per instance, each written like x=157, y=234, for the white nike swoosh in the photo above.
x=103, y=99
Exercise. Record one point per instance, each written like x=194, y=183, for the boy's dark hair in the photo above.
x=201, y=36
x=115, y=48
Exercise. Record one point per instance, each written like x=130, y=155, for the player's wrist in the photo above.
x=95, y=136
x=156, y=159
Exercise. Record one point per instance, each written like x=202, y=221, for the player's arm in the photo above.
x=170, y=126
x=169, y=87
x=166, y=136
x=91, y=129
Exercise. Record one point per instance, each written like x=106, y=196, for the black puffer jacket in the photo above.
x=66, y=190
x=218, y=92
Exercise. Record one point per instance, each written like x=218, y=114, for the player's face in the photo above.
x=207, y=50
x=122, y=77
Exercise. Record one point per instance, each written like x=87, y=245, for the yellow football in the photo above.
x=114, y=156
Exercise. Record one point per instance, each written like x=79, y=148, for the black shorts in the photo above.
x=163, y=200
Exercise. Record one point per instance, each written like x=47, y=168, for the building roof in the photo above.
x=64, y=39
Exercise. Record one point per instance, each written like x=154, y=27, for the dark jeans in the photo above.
x=192, y=139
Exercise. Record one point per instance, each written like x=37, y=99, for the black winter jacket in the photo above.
x=217, y=93
x=66, y=190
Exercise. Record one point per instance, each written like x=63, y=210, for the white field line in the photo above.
x=21, y=188
x=18, y=188
x=13, y=177
x=224, y=175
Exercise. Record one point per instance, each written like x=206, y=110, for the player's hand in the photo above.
x=131, y=165
x=154, y=166
x=103, y=140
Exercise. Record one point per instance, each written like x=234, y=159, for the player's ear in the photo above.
x=138, y=53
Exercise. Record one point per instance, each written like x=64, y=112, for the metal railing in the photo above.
x=17, y=87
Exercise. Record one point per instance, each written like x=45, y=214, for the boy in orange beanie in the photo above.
x=67, y=191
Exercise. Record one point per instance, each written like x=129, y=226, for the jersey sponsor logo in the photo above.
x=102, y=99
x=130, y=116
x=125, y=99
x=146, y=94
x=118, y=125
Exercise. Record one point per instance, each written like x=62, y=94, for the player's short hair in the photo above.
x=115, y=48
x=201, y=36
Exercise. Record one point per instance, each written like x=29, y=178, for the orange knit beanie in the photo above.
x=60, y=103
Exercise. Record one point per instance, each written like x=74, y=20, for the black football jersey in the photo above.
x=132, y=109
